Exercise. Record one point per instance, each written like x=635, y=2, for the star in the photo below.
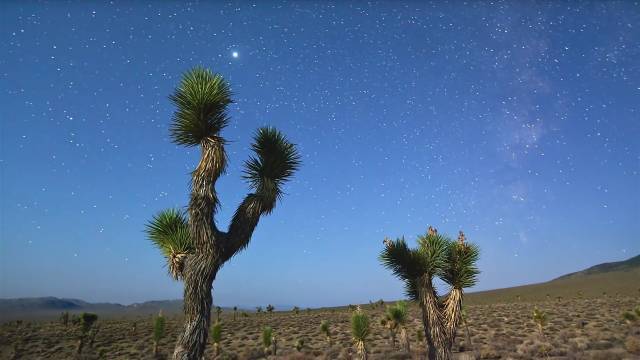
x=235, y=54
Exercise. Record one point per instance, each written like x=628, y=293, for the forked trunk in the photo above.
x=452, y=315
x=432, y=321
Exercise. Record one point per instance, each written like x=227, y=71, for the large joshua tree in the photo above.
x=194, y=247
x=436, y=256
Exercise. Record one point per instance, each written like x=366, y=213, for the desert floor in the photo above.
x=576, y=329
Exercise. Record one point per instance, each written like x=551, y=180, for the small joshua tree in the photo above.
x=193, y=245
x=436, y=256
x=216, y=337
x=235, y=312
x=397, y=318
x=218, y=312
x=360, y=332
x=86, y=321
x=326, y=331
x=540, y=319
x=296, y=310
x=64, y=318
x=158, y=332
x=259, y=309
x=270, y=309
x=267, y=339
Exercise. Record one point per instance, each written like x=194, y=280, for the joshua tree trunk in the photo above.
x=452, y=315
x=432, y=322
x=405, y=340
x=200, y=268
x=80, y=345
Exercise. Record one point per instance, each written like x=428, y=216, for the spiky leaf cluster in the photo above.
x=159, y=327
x=435, y=256
x=275, y=161
x=398, y=313
x=86, y=321
x=216, y=332
x=359, y=325
x=324, y=328
x=267, y=336
x=201, y=100
x=169, y=231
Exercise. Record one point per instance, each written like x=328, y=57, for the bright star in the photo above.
x=234, y=54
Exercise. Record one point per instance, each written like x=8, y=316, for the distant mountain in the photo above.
x=612, y=278
x=51, y=307
x=626, y=265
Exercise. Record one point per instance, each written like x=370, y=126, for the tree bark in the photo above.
x=432, y=321
x=202, y=266
x=201, y=272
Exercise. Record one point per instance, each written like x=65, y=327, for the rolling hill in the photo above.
x=620, y=277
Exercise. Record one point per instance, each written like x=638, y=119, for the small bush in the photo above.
x=632, y=344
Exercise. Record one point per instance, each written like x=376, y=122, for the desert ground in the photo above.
x=577, y=328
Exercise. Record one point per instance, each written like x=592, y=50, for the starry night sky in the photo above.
x=516, y=122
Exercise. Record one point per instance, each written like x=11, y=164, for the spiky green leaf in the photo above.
x=275, y=161
x=201, y=102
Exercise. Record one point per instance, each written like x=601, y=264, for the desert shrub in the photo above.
x=299, y=344
x=632, y=345
x=296, y=310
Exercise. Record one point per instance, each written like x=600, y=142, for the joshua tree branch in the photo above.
x=244, y=222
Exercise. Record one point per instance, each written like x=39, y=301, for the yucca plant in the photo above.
x=235, y=312
x=86, y=322
x=436, y=256
x=258, y=309
x=218, y=312
x=270, y=308
x=397, y=318
x=299, y=345
x=540, y=319
x=326, y=331
x=267, y=339
x=216, y=338
x=296, y=310
x=159, y=323
x=360, y=332
x=194, y=247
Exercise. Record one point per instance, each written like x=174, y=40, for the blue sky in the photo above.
x=516, y=122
